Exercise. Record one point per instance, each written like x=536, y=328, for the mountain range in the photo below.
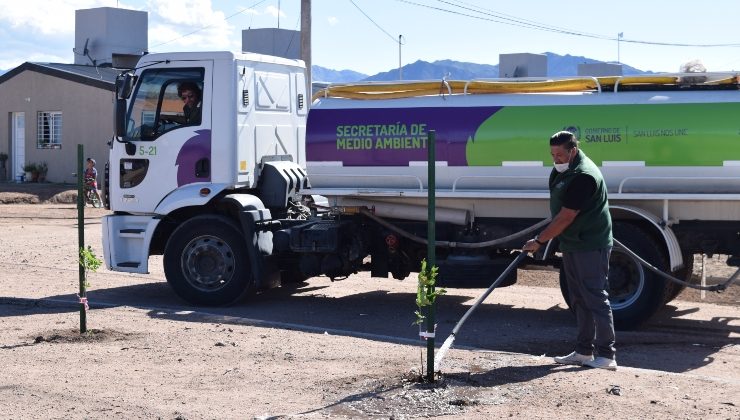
x=557, y=66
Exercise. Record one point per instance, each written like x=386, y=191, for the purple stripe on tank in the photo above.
x=391, y=136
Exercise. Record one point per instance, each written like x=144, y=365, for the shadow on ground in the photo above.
x=384, y=316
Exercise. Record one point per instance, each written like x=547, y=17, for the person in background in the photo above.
x=191, y=96
x=91, y=178
x=581, y=221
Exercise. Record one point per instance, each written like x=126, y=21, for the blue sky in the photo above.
x=345, y=38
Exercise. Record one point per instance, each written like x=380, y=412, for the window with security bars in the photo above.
x=49, y=130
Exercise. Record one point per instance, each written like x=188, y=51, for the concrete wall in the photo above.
x=87, y=118
x=109, y=30
x=272, y=41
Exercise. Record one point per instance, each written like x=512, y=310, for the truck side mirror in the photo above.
x=120, y=110
x=124, y=85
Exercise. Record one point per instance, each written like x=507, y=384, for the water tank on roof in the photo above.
x=522, y=65
x=599, y=69
x=104, y=32
x=272, y=41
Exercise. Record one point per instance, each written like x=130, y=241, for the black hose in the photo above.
x=450, y=244
x=488, y=291
x=451, y=338
x=713, y=288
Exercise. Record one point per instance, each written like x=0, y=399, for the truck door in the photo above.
x=168, y=136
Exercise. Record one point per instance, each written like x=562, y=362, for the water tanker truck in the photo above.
x=262, y=191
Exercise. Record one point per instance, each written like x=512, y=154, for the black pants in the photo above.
x=586, y=274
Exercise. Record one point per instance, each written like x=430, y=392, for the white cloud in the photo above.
x=249, y=11
x=332, y=20
x=43, y=30
x=186, y=12
x=10, y=62
x=188, y=24
x=274, y=11
x=46, y=17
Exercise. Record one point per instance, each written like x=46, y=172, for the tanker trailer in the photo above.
x=668, y=147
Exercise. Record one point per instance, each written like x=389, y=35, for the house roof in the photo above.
x=100, y=77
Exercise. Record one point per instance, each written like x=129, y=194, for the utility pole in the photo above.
x=400, y=68
x=306, y=43
x=619, y=38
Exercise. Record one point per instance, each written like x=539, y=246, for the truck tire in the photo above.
x=206, y=262
x=635, y=293
x=685, y=274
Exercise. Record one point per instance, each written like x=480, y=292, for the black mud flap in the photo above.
x=253, y=216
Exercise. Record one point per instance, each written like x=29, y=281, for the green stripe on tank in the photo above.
x=659, y=134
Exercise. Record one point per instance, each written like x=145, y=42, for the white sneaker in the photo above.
x=602, y=363
x=574, y=359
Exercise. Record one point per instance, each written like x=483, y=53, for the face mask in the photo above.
x=562, y=167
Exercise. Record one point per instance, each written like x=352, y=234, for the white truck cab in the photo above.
x=252, y=110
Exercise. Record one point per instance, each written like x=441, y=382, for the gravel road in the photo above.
x=329, y=350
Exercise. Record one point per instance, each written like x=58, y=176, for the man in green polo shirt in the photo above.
x=583, y=226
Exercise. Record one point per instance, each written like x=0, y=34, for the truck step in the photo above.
x=128, y=264
x=131, y=233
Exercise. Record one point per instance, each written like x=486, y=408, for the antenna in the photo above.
x=86, y=52
x=84, y=49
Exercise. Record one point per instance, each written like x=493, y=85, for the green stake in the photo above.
x=81, y=235
x=431, y=251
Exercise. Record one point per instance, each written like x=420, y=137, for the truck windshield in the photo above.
x=165, y=99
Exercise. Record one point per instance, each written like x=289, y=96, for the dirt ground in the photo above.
x=327, y=350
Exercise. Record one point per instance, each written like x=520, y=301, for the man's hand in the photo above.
x=561, y=221
x=531, y=246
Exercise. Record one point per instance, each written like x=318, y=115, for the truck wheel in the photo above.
x=685, y=274
x=635, y=293
x=206, y=263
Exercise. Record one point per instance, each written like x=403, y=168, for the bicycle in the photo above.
x=91, y=195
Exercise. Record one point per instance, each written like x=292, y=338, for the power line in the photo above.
x=503, y=21
x=292, y=36
x=492, y=16
x=208, y=26
x=374, y=23
x=550, y=28
x=516, y=21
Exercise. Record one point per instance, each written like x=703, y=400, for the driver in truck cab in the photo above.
x=191, y=96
